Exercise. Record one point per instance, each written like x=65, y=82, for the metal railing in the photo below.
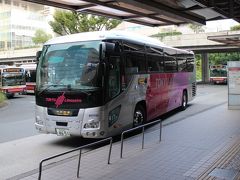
x=143, y=131
x=80, y=153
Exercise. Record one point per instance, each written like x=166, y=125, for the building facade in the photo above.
x=19, y=21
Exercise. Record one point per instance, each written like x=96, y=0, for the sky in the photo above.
x=220, y=25
x=211, y=26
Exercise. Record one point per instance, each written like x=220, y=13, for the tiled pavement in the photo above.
x=193, y=148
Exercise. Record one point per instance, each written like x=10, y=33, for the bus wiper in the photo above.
x=80, y=90
x=52, y=85
x=69, y=88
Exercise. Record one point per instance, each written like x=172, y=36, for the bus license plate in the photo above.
x=62, y=132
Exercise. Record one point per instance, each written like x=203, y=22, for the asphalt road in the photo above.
x=22, y=148
x=17, y=118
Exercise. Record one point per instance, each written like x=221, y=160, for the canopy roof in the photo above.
x=154, y=12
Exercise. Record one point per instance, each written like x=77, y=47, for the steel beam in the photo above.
x=109, y=5
x=122, y=18
x=231, y=8
x=217, y=9
x=54, y=4
x=165, y=10
x=205, y=68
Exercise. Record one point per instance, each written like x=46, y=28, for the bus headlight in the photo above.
x=92, y=124
x=38, y=120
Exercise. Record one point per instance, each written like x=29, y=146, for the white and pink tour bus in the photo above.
x=98, y=84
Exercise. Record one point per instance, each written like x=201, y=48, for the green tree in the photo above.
x=198, y=67
x=164, y=34
x=223, y=58
x=196, y=28
x=235, y=28
x=70, y=22
x=2, y=97
x=41, y=36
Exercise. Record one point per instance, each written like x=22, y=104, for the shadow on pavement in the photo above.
x=75, y=141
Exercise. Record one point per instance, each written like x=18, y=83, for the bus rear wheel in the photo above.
x=184, y=101
x=139, y=116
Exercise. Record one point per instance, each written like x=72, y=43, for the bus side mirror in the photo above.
x=38, y=54
x=102, y=51
x=106, y=48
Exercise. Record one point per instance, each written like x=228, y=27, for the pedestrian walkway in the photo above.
x=204, y=146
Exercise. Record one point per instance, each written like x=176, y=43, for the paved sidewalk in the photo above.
x=203, y=146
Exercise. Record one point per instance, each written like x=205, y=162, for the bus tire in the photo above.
x=9, y=96
x=184, y=100
x=139, y=116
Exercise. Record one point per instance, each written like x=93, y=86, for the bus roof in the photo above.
x=102, y=35
x=29, y=66
x=10, y=68
x=3, y=66
x=7, y=66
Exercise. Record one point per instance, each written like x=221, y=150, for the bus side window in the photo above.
x=155, y=59
x=170, y=65
x=135, y=63
x=155, y=63
x=170, y=60
x=135, y=58
x=182, y=62
x=190, y=64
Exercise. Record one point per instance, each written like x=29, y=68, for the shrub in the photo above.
x=164, y=34
x=2, y=97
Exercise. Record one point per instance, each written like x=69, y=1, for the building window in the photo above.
x=2, y=44
x=9, y=44
x=15, y=3
x=24, y=6
x=8, y=2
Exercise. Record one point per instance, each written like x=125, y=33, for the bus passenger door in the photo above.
x=115, y=104
x=114, y=77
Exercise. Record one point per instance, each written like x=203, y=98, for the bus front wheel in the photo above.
x=184, y=101
x=10, y=95
x=139, y=116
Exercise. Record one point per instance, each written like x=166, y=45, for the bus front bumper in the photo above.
x=86, y=124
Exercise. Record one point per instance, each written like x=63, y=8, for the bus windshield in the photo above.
x=13, y=79
x=218, y=72
x=31, y=76
x=69, y=65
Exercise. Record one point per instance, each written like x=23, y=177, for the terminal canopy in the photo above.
x=229, y=39
x=154, y=12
